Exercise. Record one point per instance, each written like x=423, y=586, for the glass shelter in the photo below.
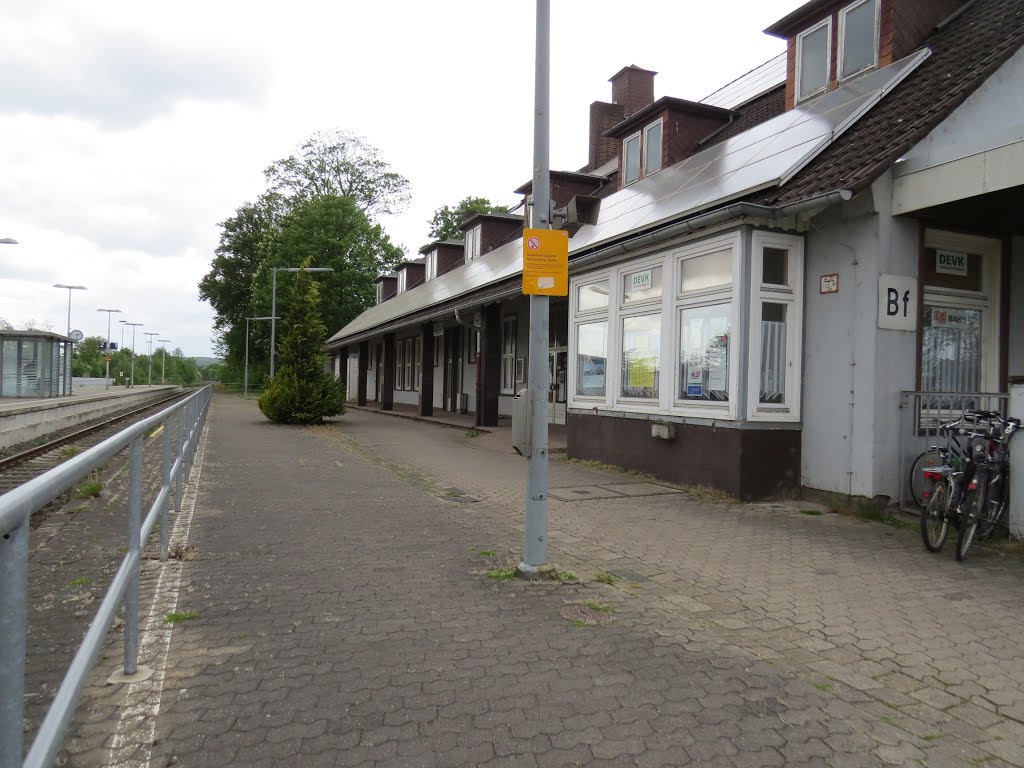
x=34, y=364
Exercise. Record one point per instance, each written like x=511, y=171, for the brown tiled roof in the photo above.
x=965, y=53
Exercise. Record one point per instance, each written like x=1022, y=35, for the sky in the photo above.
x=128, y=130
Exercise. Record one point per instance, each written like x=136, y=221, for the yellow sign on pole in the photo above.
x=546, y=262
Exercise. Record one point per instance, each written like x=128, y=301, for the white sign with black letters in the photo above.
x=897, y=303
x=951, y=263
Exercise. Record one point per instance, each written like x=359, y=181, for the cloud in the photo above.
x=118, y=77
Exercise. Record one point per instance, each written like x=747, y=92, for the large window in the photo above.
x=858, y=38
x=409, y=381
x=652, y=148
x=473, y=243
x=641, y=356
x=431, y=265
x=813, y=55
x=642, y=151
x=704, y=353
x=775, y=328
x=418, y=362
x=508, y=355
x=592, y=359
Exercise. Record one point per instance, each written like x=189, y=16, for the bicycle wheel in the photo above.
x=974, y=508
x=934, y=525
x=919, y=484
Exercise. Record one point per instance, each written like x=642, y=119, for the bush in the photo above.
x=290, y=400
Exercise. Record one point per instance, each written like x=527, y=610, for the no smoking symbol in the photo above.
x=533, y=243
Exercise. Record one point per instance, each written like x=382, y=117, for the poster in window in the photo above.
x=641, y=372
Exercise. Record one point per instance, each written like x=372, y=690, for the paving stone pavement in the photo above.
x=344, y=617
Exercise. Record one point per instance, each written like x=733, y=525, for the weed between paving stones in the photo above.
x=179, y=616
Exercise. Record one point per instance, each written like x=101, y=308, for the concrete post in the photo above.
x=1017, y=461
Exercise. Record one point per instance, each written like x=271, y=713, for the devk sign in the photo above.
x=897, y=303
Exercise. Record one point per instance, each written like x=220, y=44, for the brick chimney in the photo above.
x=632, y=90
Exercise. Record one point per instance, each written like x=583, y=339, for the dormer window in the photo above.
x=473, y=243
x=380, y=292
x=813, y=49
x=645, y=146
x=858, y=38
x=401, y=281
x=431, y=265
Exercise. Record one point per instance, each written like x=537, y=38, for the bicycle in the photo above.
x=948, y=482
x=988, y=488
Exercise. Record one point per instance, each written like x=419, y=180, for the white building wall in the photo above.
x=854, y=372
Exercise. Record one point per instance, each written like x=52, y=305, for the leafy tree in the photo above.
x=87, y=359
x=344, y=165
x=302, y=391
x=446, y=223
x=343, y=239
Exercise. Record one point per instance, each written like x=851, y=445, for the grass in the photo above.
x=889, y=721
x=89, y=490
x=594, y=605
x=709, y=494
x=824, y=687
x=502, y=574
x=607, y=578
x=488, y=553
x=565, y=576
x=472, y=432
x=80, y=582
x=932, y=736
x=179, y=616
x=70, y=450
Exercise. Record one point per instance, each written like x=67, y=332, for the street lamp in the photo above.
x=163, y=366
x=131, y=382
x=107, y=355
x=245, y=376
x=70, y=289
x=121, y=348
x=273, y=302
x=151, y=334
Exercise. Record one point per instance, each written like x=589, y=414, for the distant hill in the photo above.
x=202, y=362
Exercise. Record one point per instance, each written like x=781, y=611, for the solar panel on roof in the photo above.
x=755, y=82
x=767, y=155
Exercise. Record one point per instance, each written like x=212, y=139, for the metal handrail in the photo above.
x=16, y=508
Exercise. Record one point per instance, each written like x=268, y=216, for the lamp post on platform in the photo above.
x=273, y=303
x=134, y=326
x=245, y=377
x=107, y=352
x=151, y=334
x=70, y=288
x=163, y=365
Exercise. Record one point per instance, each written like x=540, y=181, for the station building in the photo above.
x=35, y=364
x=771, y=288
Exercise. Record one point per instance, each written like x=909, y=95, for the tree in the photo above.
x=302, y=391
x=343, y=239
x=344, y=165
x=446, y=223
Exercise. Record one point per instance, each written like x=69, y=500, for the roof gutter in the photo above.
x=689, y=226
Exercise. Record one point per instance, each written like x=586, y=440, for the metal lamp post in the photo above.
x=131, y=382
x=107, y=355
x=273, y=303
x=163, y=365
x=245, y=376
x=123, y=323
x=70, y=288
x=151, y=334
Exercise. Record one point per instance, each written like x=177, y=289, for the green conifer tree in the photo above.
x=302, y=391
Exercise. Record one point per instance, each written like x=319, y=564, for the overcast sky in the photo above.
x=129, y=129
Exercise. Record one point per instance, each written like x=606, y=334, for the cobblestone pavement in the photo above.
x=344, y=617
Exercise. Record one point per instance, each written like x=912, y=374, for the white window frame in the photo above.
x=399, y=365
x=509, y=329
x=626, y=181
x=707, y=297
x=409, y=381
x=380, y=292
x=586, y=317
x=827, y=23
x=638, y=309
x=987, y=299
x=401, y=280
x=646, y=165
x=430, y=270
x=844, y=76
x=473, y=243
x=792, y=297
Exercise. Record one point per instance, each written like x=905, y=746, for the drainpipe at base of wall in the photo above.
x=1017, y=461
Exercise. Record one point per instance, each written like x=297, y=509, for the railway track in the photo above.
x=61, y=445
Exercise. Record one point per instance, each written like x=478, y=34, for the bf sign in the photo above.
x=897, y=303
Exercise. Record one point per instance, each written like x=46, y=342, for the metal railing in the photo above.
x=921, y=415
x=182, y=425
